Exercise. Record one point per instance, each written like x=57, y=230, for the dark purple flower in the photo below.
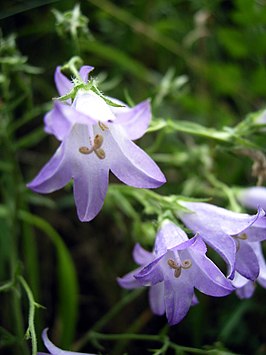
x=96, y=138
x=229, y=233
x=176, y=266
x=54, y=350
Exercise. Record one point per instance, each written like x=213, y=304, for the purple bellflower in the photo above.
x=229, y=233
x=96, y=136
x=244, y=286
x=176, y=266
x=54, y=350
x=253, y=197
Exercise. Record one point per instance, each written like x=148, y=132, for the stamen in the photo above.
x=177, y=272
x=85, y=150
x=172, y=263
x=102, y=126
x=186, y=264
x=100, y=153
x=98, y=141
x=242, y=236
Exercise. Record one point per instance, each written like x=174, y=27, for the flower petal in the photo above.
x=246, y=261
x=150, y=274
x=55, y=174
x=257, y=248
x=178, y=297
x=60, y=120
x=129, y=281
x=142, y=256
x=253, y=197
x=56, y=123
x=93, y=106
x=54, y=350
x=216, y=218
x=84, y=72
x=63, y=84
x=168, y=236
x=204, y=274
x=134, y=120
x=130, y=164
x=156, y=297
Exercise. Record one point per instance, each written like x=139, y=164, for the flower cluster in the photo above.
x=179, y=265
x=96, y=136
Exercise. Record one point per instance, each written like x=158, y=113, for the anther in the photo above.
x=85, y=150
x=100, y=153
x=177, y=272
x=98, y=141
x=172, y=263
x=186, y=264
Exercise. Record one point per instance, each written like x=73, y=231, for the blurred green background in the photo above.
x=199, y=61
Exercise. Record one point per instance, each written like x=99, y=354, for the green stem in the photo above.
x=32, y=304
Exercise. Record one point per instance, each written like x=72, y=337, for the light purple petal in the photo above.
x=131, y=164
x=257, y=248
x=178, y=297
x=84, y=72
x=256, y=234
x=151, y=274
x=215, y=217
x=168, y=236
x=55, y=174
x=245, y=287
x=54, y=350
x=246, y=261
x=156, y=297
x=253, y=197
x=92, y=105
x=246, y=291
x=63, y=84
x=134, y=120
x=142, y=256
x=204, y=274
x=56, y=123
x=129, y=281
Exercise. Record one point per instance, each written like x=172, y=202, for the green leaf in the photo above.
x=67, y=279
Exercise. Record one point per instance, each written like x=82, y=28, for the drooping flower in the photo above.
x=54, y=350
x=253, y=197
x=96, y=135
x=229, y=233
x=244, y=286
x=176, y=266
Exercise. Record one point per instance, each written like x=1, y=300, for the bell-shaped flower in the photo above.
x=54, y=350
x=245, y=287
x=229, y=233
x=176, y=266
x=96, y=135
x=253, y=197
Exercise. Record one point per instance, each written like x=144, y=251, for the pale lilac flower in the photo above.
x=229, y=233
x=253, y=197
x=176, y=266
x=96, y=138
x=54, y=350
x=244, y=286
